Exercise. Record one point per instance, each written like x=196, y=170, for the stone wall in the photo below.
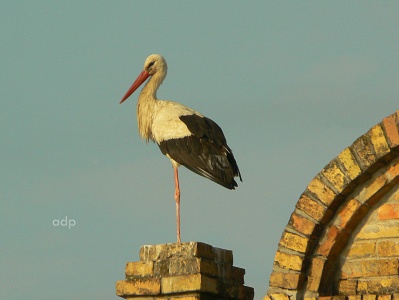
x=342, y=240
x=186, y=271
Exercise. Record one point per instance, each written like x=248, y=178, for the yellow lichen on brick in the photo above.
x=288, y=261
x=193, y=282
x=348, y=160
x=335, y=176
x=139, y=268
x=147, y=286
x=323, y=192
x=378, y=140
x=294, y=242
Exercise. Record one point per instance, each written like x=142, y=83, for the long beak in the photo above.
x=139, y=80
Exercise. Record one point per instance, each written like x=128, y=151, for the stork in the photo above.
x=184, y=135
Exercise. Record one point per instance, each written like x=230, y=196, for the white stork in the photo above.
x=184, y=135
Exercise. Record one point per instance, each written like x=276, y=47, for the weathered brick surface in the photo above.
x=302, y=224
x=294, y=242
x=285, y=280
x=184, y=271
x=370, y=268
x=349, y=162
x=311, y=207
x=378, y=141
x=388, y=211
x=335, y=176
x=363, y=250
x=391, y=129
x=323, y=192
x=288, y=261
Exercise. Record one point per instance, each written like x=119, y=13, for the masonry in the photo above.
x=341, y=240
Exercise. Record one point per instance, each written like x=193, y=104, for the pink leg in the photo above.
x=177, y=199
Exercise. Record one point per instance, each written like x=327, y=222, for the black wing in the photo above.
x=205, y=152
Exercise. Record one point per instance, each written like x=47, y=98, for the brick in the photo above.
x=391, y=129
x=246, y=293
x=315, y=274
x=302, y=224
x=378, y=141
x=145, y=286
x=188, y=283
x=349, y=162
x=288, y=261
x=368, y=268
x=346, y=213
x=362, y=148
x=393, y=171
x=388, y=248
x=354, y=297
x=311, y=207
x=279, y=296
x=388, y=211
x=203, y=250
x=363, y=250
x=285, y=280
x=323, y=192
x=383, y=285
x=140, y=269
x=335, y=176
x=347, y=287
x=372, y=187
x=334, y=238
x=223, y=256
x=384, y=297
x=369, y=297
x=375, y=231
x=294, y=242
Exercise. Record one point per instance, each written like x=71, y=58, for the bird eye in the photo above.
x=150, y=64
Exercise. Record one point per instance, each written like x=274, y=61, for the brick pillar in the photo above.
x=190, y=270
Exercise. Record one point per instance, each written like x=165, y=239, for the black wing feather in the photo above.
x=205, y=152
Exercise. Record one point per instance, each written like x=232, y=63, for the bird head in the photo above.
x=154, y=64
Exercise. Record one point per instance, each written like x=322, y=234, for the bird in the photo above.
x=184, y=135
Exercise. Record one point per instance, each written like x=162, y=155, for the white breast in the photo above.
x=166, y=124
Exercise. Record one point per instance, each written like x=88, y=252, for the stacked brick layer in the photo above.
x=331, y=211
x=184, y=271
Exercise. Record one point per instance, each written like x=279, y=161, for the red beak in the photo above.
x=139, y=80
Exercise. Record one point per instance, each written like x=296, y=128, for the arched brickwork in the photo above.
x=343, y=236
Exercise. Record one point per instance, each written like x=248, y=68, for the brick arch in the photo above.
x=331, y=211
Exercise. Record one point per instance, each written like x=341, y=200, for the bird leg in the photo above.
x=177, y=199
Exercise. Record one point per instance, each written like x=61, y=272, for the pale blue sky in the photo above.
x=291, y=83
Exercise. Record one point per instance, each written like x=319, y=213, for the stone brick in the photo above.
x=279, y=296
x=375, y=231
x=140, y=269
x=315, y=274
x=371, y=188
x=346, y=213
x=368, y=268
x=387, y=285
x=393, y=171
x=388, y=248
x=388, y=211
x=187, y=283
x=362, y=148
x=369, y=297
x=378, y=141
x=383, y=297
x=323, y=192
x=335, y=176
x=362, y=250
x=311, y=207
x=302, y=224
x=294, y=242
x=354, y=297
x=334, y=239
x=223, y=256
x=347, y=287
x=142, y=286
x=203, y=250
x=391, y=129
x=349, y=162
x=285, y=280
x=288, y=261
